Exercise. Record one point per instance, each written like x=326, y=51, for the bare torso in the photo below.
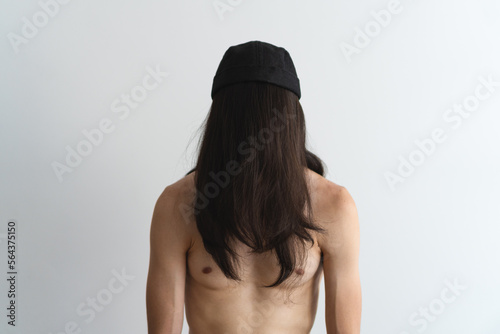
x=217, y=305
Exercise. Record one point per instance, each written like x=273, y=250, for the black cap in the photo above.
x=256, y=61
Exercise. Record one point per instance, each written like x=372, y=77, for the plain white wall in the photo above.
x=367, y=100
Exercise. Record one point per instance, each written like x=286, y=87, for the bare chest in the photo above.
x=255, y=270
x=216, y=304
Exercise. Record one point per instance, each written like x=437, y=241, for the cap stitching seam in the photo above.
x=255, y=66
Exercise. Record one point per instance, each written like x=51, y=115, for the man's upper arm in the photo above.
x=169, y=242
x=340, y=249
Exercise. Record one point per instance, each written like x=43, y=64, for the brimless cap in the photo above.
x=256, y=61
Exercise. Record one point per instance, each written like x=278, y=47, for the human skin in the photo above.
x=182, y=274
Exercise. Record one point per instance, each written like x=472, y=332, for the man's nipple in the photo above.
x=299, y=271
x=207, y=270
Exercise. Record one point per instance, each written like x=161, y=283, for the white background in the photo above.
x=363, y=112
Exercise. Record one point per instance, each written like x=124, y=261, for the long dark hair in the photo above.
x=251, y=176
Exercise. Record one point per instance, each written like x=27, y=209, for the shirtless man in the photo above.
x=182, y=273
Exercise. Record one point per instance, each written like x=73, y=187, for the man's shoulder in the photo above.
x=332, y=197
x=173, y=212
x=179, y=191
x=337, y=214
x=176, y=201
